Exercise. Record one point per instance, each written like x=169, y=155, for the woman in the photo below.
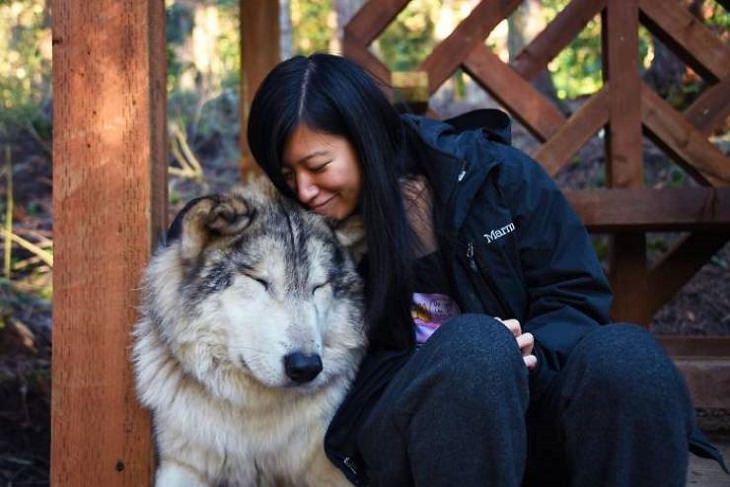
x=492, y=360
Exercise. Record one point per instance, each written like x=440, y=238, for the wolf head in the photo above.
x=250, y=284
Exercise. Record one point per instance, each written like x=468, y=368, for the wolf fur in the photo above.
x=247, y=279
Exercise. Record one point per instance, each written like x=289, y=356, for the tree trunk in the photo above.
x=523, y=25
x=286, y=42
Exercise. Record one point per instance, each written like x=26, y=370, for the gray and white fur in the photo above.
x=250, y=334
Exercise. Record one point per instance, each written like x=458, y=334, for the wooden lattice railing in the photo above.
x=625, y=107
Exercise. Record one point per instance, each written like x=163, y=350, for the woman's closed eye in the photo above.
x=321, y=167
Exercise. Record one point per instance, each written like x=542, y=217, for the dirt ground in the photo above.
x=702, y=307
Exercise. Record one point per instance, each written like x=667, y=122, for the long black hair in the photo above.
x=333, y=95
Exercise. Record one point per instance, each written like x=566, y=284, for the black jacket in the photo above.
x=515, y=249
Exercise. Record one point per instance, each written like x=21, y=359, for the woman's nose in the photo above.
x=306, y=189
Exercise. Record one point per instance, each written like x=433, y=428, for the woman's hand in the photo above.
x=525, y=341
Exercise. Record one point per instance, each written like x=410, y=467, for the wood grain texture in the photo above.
x=620, y=27
x=109, y=197
x=575, y=132
x=621, y=70
x=533, y=109
x=688, y=146
x=260, y=52
x=369, y=62
x=571, y=20
x=687, y=36
x=449, y=54
x=653, y=210
x=681, y=262
x=710, y=110
x=372, y=19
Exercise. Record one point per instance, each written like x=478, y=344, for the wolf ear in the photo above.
x=207, y=218
x=350, y=232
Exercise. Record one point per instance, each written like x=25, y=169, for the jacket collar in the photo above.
x=456, y=156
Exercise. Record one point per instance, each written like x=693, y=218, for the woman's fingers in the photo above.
x=512, y=325
x=526, y=342
x=530, y=361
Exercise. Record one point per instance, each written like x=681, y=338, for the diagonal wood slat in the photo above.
x=623, y=106
x=531, y=107
x=711, y=108
x=691, y=40
x=448, y=55
x=575, y=132
x=680, y=263
x=679, y=137
x=372, y=19
x=534, y=57
x=367, y=60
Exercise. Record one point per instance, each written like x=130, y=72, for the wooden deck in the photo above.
x=707, y=473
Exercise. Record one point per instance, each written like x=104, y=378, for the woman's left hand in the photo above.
x=525, y=341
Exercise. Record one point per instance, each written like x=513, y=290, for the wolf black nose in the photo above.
x=302, y=368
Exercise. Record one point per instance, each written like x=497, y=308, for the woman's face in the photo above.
x=324, y=171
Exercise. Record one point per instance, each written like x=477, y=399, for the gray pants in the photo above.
x=459, y=414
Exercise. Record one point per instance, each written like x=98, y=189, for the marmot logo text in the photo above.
x=499, y=232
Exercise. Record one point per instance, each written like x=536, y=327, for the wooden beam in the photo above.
x=372, y=19
x=682, y=262
x=628, y=277
x=109, y=206
x=448, y=55
x=533, y=109
x=696, y=346
x=575, y=132
x=677, y=136
x=260, y=52
x=708, y=382
x=653, y=210
x=711, y=108
x=687, y=36
x=534, y=57
x=366, y=60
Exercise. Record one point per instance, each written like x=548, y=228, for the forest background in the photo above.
x=203, y=81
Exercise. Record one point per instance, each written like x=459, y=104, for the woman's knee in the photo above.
x=475, y=348
x=625, y=362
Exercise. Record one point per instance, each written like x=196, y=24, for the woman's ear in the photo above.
x=350, y=232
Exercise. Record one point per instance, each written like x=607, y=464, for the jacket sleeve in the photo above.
x=568, y=292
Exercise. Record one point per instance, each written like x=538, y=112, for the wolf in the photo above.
x=251, y=330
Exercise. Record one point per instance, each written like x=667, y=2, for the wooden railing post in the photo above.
x=109, y=205
x=260, y=52
x=628, y=266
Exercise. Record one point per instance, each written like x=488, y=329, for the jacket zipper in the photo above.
x=486, y=279
x=459, y=178
x=350, y=464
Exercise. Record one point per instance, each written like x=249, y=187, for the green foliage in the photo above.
x=718, y=18
x=25, y=63
x=409, y=38
x=203, y=73
x=576, y=71
x=314, y=24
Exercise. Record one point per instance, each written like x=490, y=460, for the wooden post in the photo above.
x=628, y=266
x=260, y=52
x=109, y=205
